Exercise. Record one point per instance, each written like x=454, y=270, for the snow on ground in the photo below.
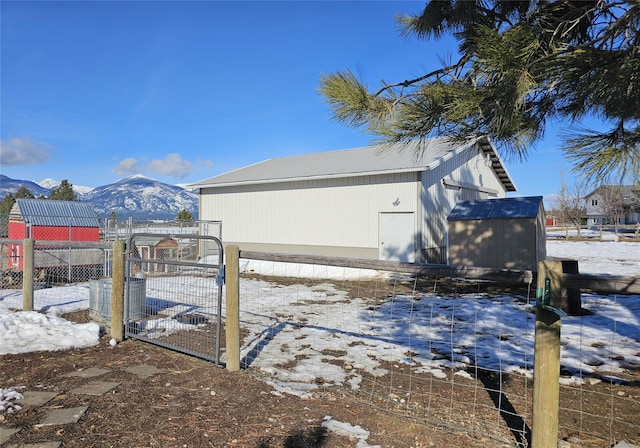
x=598, y=257
x=324, y=334
x=27, y=331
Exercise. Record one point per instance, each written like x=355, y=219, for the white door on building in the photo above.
x=397, y=237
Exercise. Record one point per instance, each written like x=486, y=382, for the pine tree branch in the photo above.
x=435, y=73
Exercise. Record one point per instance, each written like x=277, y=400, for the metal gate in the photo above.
x=173, y=292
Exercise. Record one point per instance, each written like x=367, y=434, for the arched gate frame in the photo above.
x=173, y=292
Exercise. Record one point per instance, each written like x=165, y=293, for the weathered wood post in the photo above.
x=27, y=274
x=232, y=272
x=117, y=291
x=571, y=297
x=546, y=362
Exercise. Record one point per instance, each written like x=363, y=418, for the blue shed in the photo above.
x=505, y=233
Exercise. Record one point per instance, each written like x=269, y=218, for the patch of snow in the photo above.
x=348, y=430
x=7, y=400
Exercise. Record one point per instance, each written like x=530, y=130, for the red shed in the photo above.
x=551, y=221
x=49, y=220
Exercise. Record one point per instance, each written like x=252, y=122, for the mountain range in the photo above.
x=136, y=196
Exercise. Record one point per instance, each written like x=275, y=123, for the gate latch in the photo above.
x=543, y=299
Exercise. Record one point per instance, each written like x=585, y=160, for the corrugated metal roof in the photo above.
x=47, y=212
x=503, y=208
x=367, y=160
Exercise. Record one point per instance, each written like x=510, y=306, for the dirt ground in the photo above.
x=193, y=403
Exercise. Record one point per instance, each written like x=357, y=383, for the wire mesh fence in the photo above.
x=453, y=354
x=60, y=274
x=55, y=262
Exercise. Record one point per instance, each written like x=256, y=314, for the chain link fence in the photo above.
x=70, y=251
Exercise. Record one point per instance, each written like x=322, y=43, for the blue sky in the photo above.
x=181, y=91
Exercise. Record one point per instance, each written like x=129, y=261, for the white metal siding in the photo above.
x=467, y=167
x=330, y=212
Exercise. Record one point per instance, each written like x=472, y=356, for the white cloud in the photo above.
x=173, y=165
x=127, y=166
x=23, y=151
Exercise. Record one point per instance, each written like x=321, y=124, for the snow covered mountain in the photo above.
x=52, y=184
x=142, y=198
x=49, y=183
x=137, y=196
x=8, y=185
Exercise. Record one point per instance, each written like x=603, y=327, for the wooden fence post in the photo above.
x=546, y=362
x=571, y=297
x=232, y=273
x=27, y=274
x=117, y=291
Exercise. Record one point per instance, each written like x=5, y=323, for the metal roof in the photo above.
x=151, y=241
x=502, y=208
x=47, y=212
x=414, y=156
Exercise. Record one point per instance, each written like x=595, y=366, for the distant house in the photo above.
x=507, y=233
x=386, y=202
x=50, y=220
x=613, y=204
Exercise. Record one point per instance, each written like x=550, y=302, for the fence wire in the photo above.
x=453, y=354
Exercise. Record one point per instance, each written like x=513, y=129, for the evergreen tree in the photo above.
x=184, y=215
x=7, y=204
x=24, y=192
x=64, y=192
x=113, y=219
x=522, y=65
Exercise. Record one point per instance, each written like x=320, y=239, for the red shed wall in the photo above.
x=85, y=234
x=65, y=233
x=17, y=231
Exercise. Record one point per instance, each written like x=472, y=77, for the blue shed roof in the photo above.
x=47, y=212
x=503, y=208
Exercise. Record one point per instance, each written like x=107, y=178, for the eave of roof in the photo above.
x=497, y=165
x=390, y=159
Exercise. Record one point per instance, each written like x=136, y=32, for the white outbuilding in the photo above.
x=387, y=202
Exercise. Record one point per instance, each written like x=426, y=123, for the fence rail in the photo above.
x=613, y=284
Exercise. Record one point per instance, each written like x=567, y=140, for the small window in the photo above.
x=594, y=202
